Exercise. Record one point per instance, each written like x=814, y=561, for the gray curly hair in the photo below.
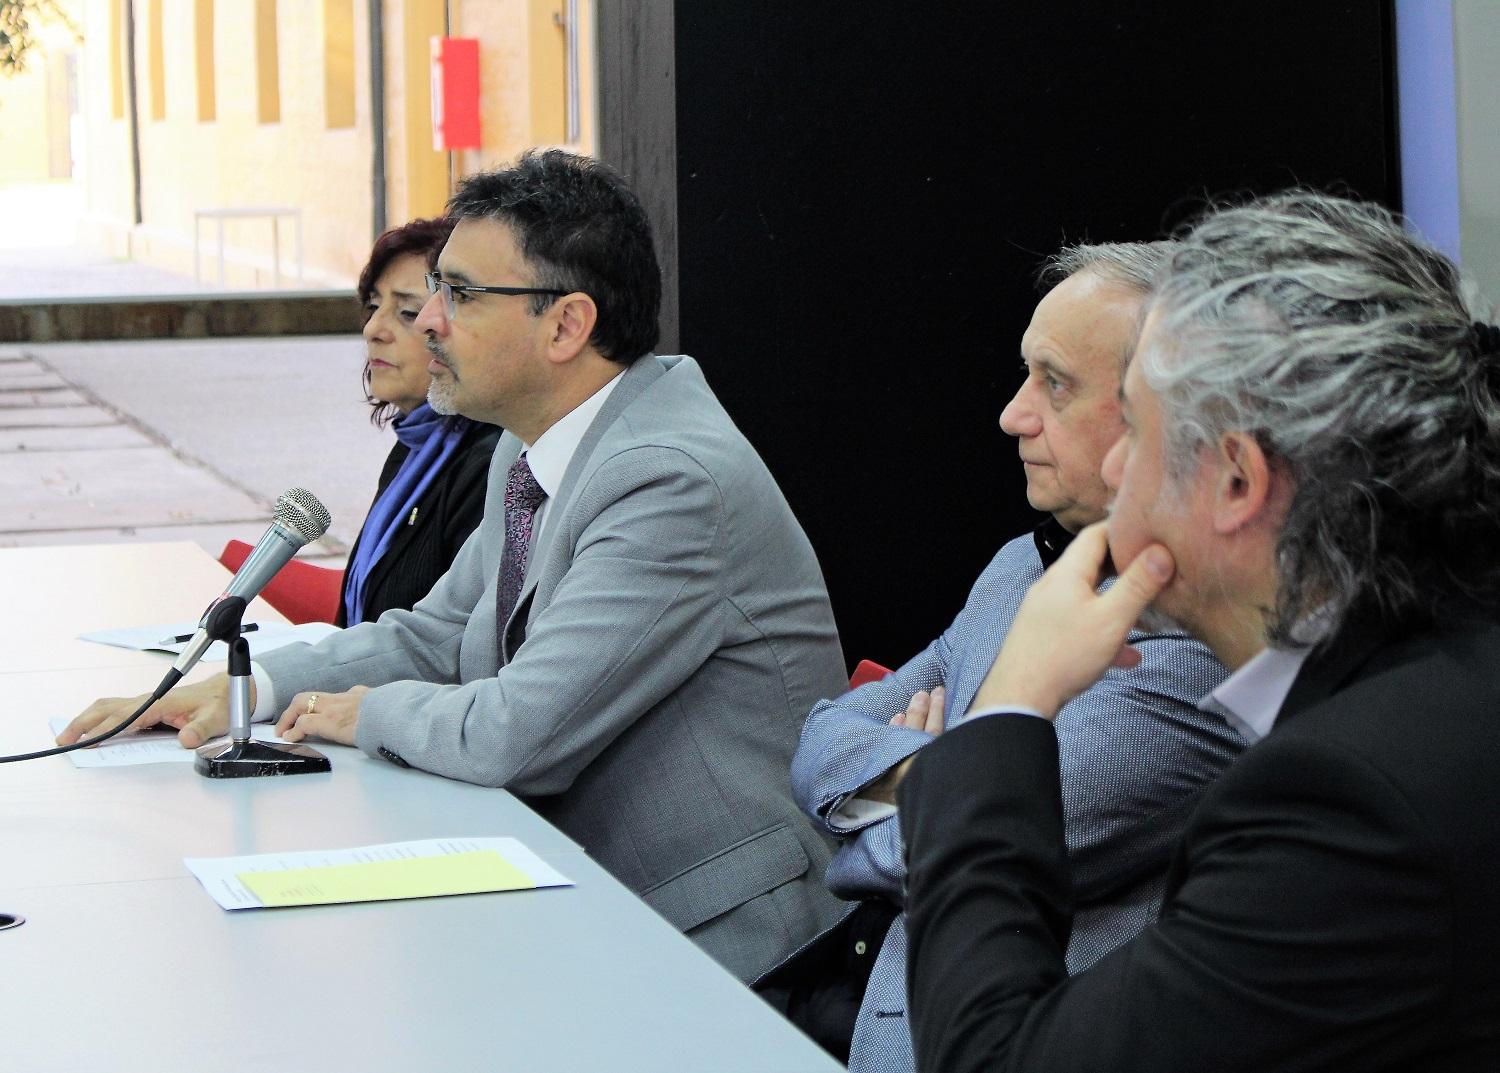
x=1343, y=345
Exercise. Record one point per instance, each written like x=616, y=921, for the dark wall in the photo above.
x=865, y=191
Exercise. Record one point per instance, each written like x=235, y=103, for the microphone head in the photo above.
x=298, y=509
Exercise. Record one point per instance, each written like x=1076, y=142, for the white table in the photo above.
x=124, y=962
x=51, y=594
x=274, y=213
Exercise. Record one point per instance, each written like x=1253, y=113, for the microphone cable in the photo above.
x=172, y=677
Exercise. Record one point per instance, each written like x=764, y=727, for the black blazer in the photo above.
x=424, y=547
x=1334, y=903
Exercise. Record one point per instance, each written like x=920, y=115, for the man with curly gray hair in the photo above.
x=1310, y=483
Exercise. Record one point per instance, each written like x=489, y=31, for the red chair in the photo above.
x=303, y=592
x=867, y=671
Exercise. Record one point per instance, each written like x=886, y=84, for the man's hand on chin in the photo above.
x=330, y=716
x=1067, y=633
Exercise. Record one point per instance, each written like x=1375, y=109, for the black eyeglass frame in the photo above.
x=436, y=284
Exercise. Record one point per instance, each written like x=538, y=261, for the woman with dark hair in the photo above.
x=431, y=492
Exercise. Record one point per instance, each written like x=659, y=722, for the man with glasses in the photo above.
x=630, y=639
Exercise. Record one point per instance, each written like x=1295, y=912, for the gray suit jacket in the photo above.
x=676, y=627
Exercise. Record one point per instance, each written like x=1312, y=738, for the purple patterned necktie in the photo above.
x=522, y=497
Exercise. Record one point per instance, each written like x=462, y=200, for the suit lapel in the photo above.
x=640, y=375
x=1331, y=667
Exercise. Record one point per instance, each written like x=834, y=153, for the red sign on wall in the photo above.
x=455, y=93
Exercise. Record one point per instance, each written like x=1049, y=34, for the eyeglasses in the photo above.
x=437, y=285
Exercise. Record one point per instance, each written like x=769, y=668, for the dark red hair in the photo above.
x=422, y=237
x=425, y=238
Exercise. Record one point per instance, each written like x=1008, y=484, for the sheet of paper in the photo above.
x=318, y=877
x=158, y=638
x=147, y=747
x=381, y=881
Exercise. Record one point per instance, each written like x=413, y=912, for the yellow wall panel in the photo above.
x=267, y=64
x=203, y=59
x=338, y=63
x=547, y=53
x=156, y=67
x=117, y=58
x=426, y=168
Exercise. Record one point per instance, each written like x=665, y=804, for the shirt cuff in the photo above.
x=265, y=695
x=993, y=709
x=857, y=812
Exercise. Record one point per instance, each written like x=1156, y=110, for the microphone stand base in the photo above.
x=249, y=759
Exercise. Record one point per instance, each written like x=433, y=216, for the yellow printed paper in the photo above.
x=380, y=881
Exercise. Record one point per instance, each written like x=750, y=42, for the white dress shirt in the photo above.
x=1250, y=699
x=553, y=450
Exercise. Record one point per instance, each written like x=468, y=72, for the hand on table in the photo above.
x=199, y=712
x=1067, y=633
x=924, y=712
x=330, y=716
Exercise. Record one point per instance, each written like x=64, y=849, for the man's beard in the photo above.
x=443, y=390
x=441, y=394
x=1151, y=621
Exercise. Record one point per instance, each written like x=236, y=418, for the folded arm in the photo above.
x=848, y=744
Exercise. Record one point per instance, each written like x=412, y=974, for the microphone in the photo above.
x=300, y=519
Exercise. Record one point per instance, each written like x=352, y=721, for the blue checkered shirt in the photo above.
x=1135, y=753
